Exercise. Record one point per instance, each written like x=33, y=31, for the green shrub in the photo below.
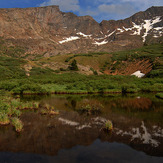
x=73, y=66
x=108, y=125
x=157, y=87
x=17, y=123
x=126, y=88
x=29, y=88
x=155, y=73
x=94, y=71
x=15, y=103
x=4, y=107
x=8, y=85
x=16, y=112
x=90, y=109
x=4, y=119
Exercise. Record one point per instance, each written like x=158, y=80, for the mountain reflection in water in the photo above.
x=72, y=136
x=97, y=152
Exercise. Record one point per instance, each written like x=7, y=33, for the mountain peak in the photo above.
x=157, y=10
x=48, y=31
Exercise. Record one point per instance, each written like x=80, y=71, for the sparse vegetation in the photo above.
x=108, y=125
x=10, y=107
x=90, y=109
x=46, y=109
x=17, y=123
x=94, y=71
x=4, y=119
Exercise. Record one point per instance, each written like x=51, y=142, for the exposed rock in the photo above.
x=48, y=31
x=28, y=68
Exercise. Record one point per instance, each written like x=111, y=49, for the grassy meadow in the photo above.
x=44, y=77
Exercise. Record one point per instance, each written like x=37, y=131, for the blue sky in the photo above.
x=98, y=9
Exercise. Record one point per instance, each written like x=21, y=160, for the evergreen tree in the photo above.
x=73, y=66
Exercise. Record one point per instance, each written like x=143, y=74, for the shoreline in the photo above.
x=85, y=93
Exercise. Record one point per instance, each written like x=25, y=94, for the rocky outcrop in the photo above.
x=48, y=31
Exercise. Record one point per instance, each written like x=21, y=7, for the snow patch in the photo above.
x=156, y=36
x=82, y=34
x=158, y=31
x=138, y=27
x=135, y=26
x=99, y=120
x=119, y=132
x=72, y=38
x=68, y=122
x=158, y=131
x=147, y=139
x=110, y=34
x=101, y=43
x=138, y=74
x=83, y=126
x=121, y=30
x=127, y=29
x=156, y=20
x=147, y=25
x=135, y=133
x=158, y=28
x=99, y=38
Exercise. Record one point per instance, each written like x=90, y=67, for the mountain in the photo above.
x=47, y=31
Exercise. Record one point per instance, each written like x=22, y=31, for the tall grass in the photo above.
x=17, y=123
x=4, y=119
x=10, y=107
x=77, y=83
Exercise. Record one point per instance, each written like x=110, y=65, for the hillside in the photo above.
x=81, y=73
x=147, y=59
x=144, y=59
x=46, y=31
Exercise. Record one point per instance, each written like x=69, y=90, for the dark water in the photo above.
x=97, y=152
x=74, y=136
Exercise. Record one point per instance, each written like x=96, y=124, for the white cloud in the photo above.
x=65, y=5
x=90, y=12
x=139, y=4
x=104, y=9
x=119, y=9
x=143, y=4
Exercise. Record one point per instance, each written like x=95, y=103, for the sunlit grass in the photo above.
x=4, y=119
x=108, y=125
x=90, y=108
x=17, y=123
x=48, y=110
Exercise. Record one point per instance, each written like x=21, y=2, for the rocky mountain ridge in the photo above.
x=47, y=31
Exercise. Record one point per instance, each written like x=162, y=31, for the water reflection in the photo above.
x=137, y=122
x=99, y=152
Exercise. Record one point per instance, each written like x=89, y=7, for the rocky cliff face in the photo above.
x=48, y=31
